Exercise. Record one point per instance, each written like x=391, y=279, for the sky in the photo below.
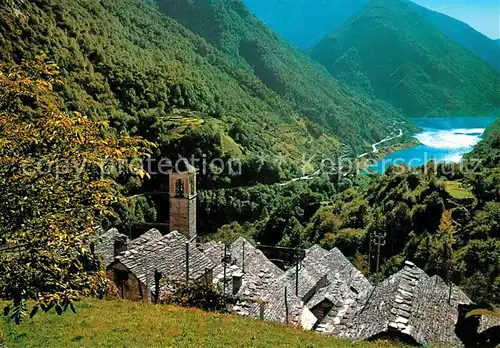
x=482, y=15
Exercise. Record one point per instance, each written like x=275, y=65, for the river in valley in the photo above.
x=441, y=139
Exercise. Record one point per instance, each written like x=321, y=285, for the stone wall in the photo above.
x=179, y=215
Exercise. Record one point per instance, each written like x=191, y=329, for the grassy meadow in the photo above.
x=114, y=323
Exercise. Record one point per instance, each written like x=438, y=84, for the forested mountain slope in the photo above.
x=488, y=150
x=126, y=62
x=304, y=22
x=479, y=44
x=298, y=79
x=391, y=49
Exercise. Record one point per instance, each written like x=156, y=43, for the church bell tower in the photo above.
x=182, y=192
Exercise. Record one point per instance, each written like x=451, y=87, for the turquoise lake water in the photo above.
x=442, y=139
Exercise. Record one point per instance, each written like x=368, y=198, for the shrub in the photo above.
x=198, y=295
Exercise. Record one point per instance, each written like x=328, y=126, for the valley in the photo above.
x=441, y=140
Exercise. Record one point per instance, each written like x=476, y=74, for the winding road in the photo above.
x=374, y=150
x=374, y=146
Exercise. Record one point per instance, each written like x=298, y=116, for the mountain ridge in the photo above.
x=409, y=63
x=283, y=68
x=307, y=23
x=464, y=34
x=324, y=18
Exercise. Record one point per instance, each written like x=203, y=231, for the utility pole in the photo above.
x=157, y=286
x=448, y=275
x=243, y=258
x=297, y=263
x=224, y=267
x=297, y=260
x=380, y=238
x=187, y=262
x=370, y=240
x=379, y=242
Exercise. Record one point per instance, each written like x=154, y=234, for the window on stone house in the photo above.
x=191, y=186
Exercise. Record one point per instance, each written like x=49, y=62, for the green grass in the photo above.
x=229, y=146
x=458, y=191
x=130, y=324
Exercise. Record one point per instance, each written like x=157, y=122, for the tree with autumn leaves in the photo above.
x=53, y=191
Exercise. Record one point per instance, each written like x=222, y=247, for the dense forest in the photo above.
x=125, y=62
x=305, y=84
x=389, y=49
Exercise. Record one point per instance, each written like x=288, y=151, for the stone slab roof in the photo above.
x=339, y=267
x=409, y=304
x=150, y=235
x=311, y=274
x=262, y=282
x=105, y=244
x=276, y=306
x=167, y=255
x=251, y=259
x=243, y=254
x=257, y=271
x=269, y=292
x=214, y=251
x=487, y=322
x=338, y=302
x=435, y=313
x=320, y=274
x=345, y=281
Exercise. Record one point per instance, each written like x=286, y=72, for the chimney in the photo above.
x=119, y=246
x=237, y=281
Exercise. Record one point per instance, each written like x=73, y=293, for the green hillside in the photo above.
x=391, y=49
x=133, y=324
x=488, y=150
x=468, y=37
x=126, y=62
x=304, y=22
x=305, y=84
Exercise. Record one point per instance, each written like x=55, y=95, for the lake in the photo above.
x=442, y=139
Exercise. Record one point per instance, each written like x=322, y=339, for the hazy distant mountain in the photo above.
x=304, y=22
x=390, y=48
x=481, y=45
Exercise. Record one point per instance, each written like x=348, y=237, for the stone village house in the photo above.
x=324, y=293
